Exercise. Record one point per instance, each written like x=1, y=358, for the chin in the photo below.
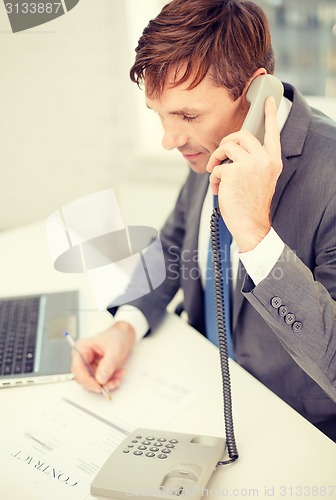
x=198, y=169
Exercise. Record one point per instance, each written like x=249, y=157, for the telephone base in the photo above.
x=159, y=465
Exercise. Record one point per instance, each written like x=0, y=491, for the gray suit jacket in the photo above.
x=291, y=349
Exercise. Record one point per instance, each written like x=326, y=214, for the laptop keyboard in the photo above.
x=18, y=331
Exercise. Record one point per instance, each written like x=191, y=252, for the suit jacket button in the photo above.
x=297, y=326
x=283, y=310
x=290, y=318
x=276, y=302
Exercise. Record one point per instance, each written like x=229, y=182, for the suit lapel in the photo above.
x=293, y=137
x=237, y=296
x=286, y=174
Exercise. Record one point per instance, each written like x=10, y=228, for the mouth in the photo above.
x=191, y=156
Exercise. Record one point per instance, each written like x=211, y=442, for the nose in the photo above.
x=173, y=138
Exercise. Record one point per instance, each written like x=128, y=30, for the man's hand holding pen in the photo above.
x=103, y=357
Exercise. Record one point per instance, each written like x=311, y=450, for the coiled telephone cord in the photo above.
x=222, y=341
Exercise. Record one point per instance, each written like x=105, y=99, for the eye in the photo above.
x=189, y=118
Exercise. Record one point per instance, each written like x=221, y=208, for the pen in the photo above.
x=72, y=344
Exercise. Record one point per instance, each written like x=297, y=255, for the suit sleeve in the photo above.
x=299, y=305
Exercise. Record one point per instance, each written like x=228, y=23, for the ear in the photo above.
x=258, y=72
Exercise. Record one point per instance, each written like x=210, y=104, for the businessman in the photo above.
x=195, y=61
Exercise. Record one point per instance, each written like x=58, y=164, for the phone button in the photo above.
x=162, y=455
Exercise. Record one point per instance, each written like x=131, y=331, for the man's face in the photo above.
x=195, y=121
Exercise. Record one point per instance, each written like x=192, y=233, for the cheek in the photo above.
x=215, y=135
x=224, y=126
x=210, y=135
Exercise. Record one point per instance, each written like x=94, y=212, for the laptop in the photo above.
x=32, y=344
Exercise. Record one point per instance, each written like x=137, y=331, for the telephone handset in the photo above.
x=156, y=464
x=261, y=87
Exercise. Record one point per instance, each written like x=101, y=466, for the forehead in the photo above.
x=205, y=94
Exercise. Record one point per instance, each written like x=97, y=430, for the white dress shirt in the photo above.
x=257, y=262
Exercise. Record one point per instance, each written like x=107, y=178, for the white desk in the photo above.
x=281, y=454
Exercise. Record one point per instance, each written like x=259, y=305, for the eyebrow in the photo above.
x=183, y=111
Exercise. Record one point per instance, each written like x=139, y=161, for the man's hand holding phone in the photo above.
x=246, y=185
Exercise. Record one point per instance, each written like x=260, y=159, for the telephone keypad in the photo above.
x=151, y=446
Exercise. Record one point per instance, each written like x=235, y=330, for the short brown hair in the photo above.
x=230, y=39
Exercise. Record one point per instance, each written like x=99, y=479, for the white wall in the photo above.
x=69, y=114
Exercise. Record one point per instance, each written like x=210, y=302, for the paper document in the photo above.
x=56, y=451
x=57, y=448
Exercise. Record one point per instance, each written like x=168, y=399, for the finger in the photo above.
x=235, y=152
x=232, y=147
x=272, y=135
x=245, y=139
x=216, y=177
x=217, y=157
x=116, y=379
x=225, y=153
x=81, y=373
x=106, y=367
x=214, y=183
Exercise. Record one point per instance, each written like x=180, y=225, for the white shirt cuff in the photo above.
x=135, y=318
x=260, y=261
